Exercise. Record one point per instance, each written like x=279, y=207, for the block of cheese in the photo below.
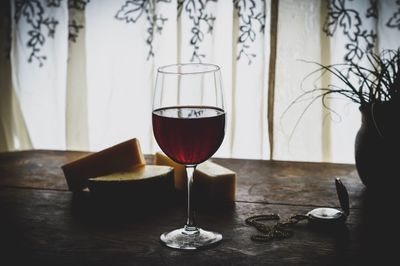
x=142, y=186
x=213, y=183
x=125, y=156
x=180, y=177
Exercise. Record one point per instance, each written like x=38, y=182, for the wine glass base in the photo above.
x=190, y=240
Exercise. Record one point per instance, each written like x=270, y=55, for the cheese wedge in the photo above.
x=144, y=185
x=180, y=177
x=125, y=156
x=213, y=183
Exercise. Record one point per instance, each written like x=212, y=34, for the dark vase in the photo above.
x=377, y=146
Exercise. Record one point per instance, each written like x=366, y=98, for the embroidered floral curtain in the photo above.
x=79, y=74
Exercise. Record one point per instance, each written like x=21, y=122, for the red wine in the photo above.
x=189, y=134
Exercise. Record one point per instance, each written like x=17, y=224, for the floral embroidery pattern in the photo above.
x=53, y=3
x=201, y=17
x=73, y=26
x=372, y=11
x=394, y=21
x=200, y=14
x=247, y=35
x=77, y=4
x=359, y=40
x=73, y=30
x=133, y=10
x=33, y=13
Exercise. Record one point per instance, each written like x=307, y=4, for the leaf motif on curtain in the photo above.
x=349, y=20
x=247, y=18
x=78, y=4
x=360, y=40
x=73, y=30
x=54, y=3
x=394, y=21
x=74, y=27
x=203, y=21
x=133, y=10
x=372, y=11
x=200, y=14
x=33, y=13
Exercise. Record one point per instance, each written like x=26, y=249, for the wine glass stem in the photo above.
x=190, y=223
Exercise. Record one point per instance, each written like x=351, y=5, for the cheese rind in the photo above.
x=125, y=156
x=149, y=183
x=139, y=174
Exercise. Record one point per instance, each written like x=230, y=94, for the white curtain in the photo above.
x=326, y=32
x=82, y=71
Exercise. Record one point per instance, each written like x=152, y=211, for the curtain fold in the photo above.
x=298, y=38
x=38, y=68
x=82, y=72
x=76, y=98
x=13, y=132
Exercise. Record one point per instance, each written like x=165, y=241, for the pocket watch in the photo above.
x=323, y=217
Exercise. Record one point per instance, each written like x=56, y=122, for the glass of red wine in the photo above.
x=189, y=126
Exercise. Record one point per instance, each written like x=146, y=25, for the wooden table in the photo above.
x=42, y=223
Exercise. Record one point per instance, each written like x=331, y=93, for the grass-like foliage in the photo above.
x=376, y=84
x=379, y=83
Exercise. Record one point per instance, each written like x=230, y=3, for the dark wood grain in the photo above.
x=41, y=223
x=293, y=182
x=43, y=227
x=35, y=169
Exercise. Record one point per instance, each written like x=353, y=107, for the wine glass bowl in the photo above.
x=189, y=126
x=189, y=135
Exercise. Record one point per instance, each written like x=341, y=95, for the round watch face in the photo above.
x=325, y=214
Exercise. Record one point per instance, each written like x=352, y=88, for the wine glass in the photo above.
x=189, y=126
